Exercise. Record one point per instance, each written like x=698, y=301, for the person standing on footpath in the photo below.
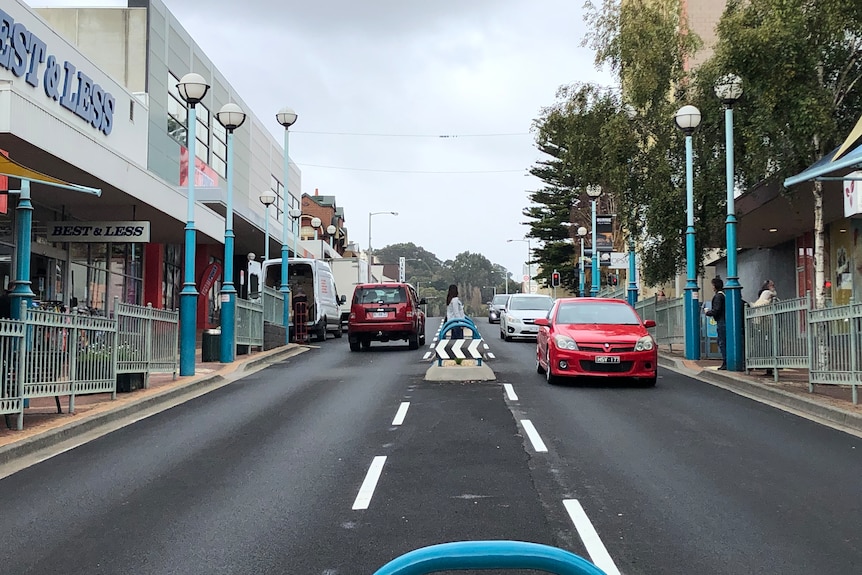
x=454, y=310
x=716, y=312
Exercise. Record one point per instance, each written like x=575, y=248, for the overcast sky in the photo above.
x=407, y=69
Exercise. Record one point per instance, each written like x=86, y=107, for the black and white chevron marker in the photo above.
x=459, y=349
x=475, y=344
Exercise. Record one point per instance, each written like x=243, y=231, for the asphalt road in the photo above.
x=334, y=462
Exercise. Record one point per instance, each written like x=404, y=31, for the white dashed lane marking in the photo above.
x=534, y=436
x=510, y=392
x=366, y=491
x=596, y=549
x=401, y=413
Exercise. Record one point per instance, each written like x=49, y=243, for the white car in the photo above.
x=521, y=313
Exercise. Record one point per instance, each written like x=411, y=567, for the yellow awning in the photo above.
x=851, y=141
x=9, y=167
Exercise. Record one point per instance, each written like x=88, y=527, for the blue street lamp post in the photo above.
x=633, y=285
x=687, y=119
x=286, y=117
x=594, y=192
x=231, y=117
x=192, y=88
x=582, y=279
x=267, y=199
x=729, y=89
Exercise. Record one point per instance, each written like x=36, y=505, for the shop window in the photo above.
x=172, y=280
x=202, y=133
x=278, y=190
x=177, y=112
x=219, y=149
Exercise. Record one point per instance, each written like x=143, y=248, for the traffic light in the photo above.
x=613, y=279
x=555, y=279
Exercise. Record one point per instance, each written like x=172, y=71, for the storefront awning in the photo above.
x=13, y=169
x=837, y=163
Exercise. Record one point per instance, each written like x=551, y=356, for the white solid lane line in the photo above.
x=510, y=392
x=535, y=439
x=401, y=413
x=598, y=554
x=366, y=491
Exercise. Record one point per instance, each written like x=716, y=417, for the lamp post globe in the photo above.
x=728, y=88
x=231, y=117
x=192, y=88
x=687, y=119
x=330, y=231
x=286, y=117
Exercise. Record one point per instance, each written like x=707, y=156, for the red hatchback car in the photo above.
x=592, y=337
x=385, y=312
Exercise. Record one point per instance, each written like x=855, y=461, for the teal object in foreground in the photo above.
x=465, y=555
x=462, y=322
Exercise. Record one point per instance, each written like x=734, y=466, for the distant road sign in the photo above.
x=526, y=278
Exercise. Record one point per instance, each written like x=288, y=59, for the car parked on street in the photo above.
x=496, y=307
x=519, y=319
x=385, y=312
x=598, y=338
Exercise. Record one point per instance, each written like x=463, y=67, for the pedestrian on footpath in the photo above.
x=454, y=310
x=716, y=312
x=766, y=296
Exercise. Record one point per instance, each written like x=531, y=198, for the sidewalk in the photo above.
x=44, y=427
x=828, y=404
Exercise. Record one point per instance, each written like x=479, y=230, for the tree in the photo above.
x=801, y=64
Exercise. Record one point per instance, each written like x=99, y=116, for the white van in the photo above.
x=314, y=278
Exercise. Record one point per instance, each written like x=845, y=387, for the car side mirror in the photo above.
x=342, y=300
x=422, y=301
x=649, y=323
x=542, y=321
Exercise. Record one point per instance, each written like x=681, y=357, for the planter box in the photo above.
x=128, y=382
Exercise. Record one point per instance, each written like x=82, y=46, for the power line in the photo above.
x=408, y=171
x=437, y=136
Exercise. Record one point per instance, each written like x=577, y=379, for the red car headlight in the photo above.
x=565, y=342
x=645, y=343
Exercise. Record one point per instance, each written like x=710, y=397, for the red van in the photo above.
x=385, y=312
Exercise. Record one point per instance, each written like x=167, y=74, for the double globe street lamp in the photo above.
x=192, y=89
x=230, y=117
x=687, y=119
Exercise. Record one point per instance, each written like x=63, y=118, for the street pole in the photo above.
x=687, y=119
x=633, y=286
x=192, y=88
x=21, y=291
x=231, y=117
x=286, y=117
x=583, y=274
x=729, y=89
x=594, y=290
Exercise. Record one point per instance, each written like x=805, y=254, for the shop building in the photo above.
x=127, y=137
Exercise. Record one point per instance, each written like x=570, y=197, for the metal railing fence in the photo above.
x=273, y=306
x=12, y=370
x=776, y=335
x=249, y=323
x=670, y=322
x=835, y=347
x=147, y=340
x=68, y=355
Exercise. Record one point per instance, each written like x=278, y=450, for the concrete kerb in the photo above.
x=194, y=387
x=458, y=373
x=810, y=408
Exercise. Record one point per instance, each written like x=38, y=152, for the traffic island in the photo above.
x=465, y=370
